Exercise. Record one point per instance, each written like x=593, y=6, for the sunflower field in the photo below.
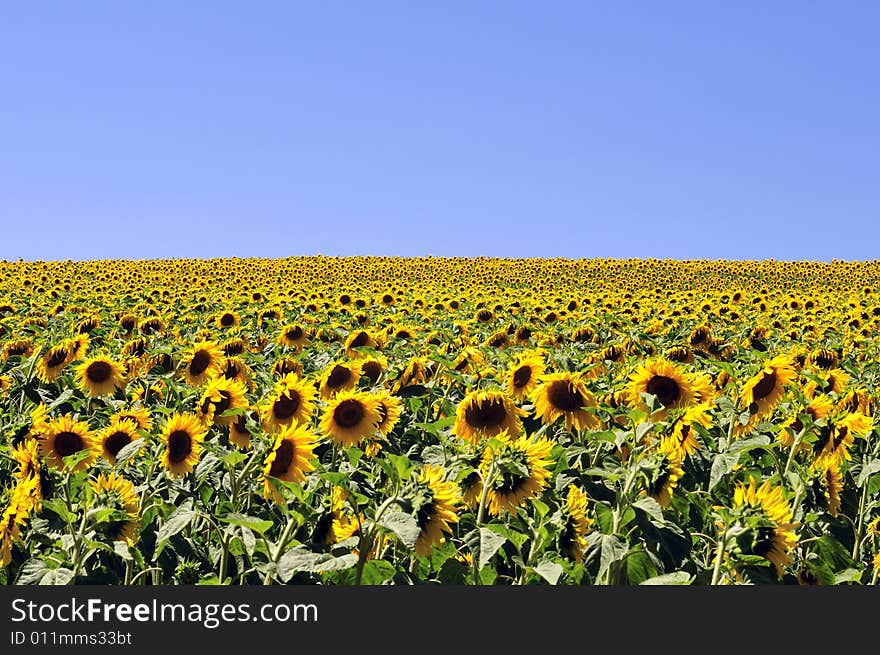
x=344, y=421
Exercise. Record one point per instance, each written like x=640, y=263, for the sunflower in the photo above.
x=336, y=524
x=293, y=336
x=486, y=414
x=52, y=362
x=202, y=362
x=227, y=319
x=11, y=523
x=239, y=435
x=417, y=371
x=63, y=437
x=27, y=456
x=829, y=482
x=117, y=436
x=818, y=408
x=521, y=471
x=140, y=415
x=290, y=459
x=565, y=394
x=292, y=401
x=833, y=381
x=350, y=417
x=359, y=339
x=764, y=391
x=837, y=436
x=339, y=376
x=221, y=395
x=372, y=367
x=767, y=523
x=22, y=348
x=435, y=502
x=99, y=376
x=664, y=380
x=683, y=436
x=182, y=435
x=523, y=375
x=663, y=476
x=576, y=524
x=77, y=347
x=116, y=493
x=287, y=365
x=235, y=369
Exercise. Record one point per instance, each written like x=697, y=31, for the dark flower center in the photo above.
x=348, y=413
x=116, y=442
x=362, y=339
x=57, y=358
x=372, y=371
x=179, y=446
x=765, y=386
x=338, y=376
x=294, y=333
x=563, y=396
x=490, y=414
x=283, y=458
x=200, y=362
x=68, y=443
x=286, y=405
x=665, y=388
x=521, y=376
x=227, y=319
x=98, y=372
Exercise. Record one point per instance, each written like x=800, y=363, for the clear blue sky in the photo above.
x=577, y=129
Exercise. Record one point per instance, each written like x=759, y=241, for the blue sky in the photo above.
x=574, y=129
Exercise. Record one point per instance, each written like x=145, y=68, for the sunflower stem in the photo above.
x=490, y=474
x=794, y=448
x=279, y=549
x=719, y=556
x=860, y=523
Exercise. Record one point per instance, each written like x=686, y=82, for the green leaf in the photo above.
x=611, y=549
x=650, y=507
x=721, y=466
x=403, y=525
x=604, y=517
x=179, y=519
x=549, y=570
x=71, y=461
x=514, y=537
x=252, y=523
x=59, y=576
x=758, y=441
x=867, y=471
x=121, y=549
x=848, y=575
x=377, y=571
x=233, y=458
x=299, y=559
x=674, y=578
x=65, y=395
x=638, y=567
x=490, y=542
x=31, y=572
x=129, y=451
x=58, y=506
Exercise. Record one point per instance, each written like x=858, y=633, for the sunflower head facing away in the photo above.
x=117, y=494
x=765, y=522
x=576, y=524
x=435, y=502
x=516, y=471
